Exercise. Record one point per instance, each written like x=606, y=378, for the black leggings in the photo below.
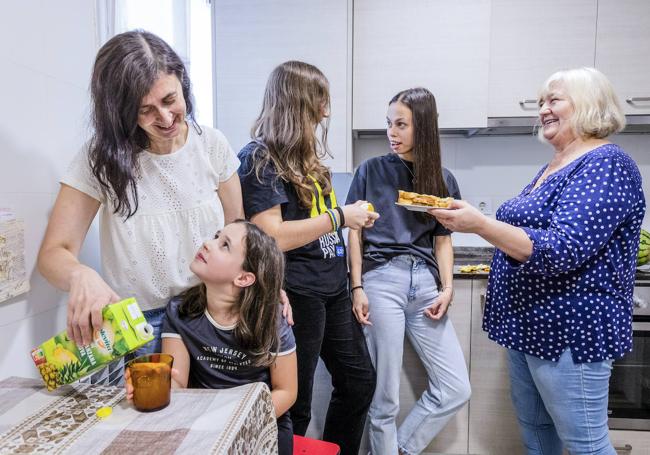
x=285, y=435
x=325, y=327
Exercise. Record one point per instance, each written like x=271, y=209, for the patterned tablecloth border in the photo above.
x=19, y=437
x=55, y=427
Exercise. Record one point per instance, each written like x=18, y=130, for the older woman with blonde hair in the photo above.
x=560, y=292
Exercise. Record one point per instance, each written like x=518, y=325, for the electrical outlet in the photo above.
x=484, y=204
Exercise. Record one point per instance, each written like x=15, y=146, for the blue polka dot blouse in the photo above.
x=575, y=291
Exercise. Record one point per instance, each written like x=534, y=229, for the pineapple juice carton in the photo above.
x=60, y=361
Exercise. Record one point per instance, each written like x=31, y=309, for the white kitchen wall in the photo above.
x=47, y=50
x=495, y=168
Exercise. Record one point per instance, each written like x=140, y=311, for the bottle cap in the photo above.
x=144, y=331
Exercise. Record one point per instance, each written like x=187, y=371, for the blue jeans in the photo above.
x=398, y=293
x=561, y=404
x=113, y=373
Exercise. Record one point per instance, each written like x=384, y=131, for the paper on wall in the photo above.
x=13, y=277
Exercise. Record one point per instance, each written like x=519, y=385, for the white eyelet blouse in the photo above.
x=148, y=255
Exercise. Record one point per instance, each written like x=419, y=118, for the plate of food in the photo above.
x=422, y=202
x=414, y=208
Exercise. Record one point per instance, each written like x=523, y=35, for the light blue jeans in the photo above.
x=398, y=292
x=561, y=404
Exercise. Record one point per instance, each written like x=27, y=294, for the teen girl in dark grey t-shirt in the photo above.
x=405, y=283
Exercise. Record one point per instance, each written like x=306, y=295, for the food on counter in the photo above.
x=474, y=268
x=410, y=198
x=643, y=257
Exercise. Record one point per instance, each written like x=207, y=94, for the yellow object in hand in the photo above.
x=368, y=206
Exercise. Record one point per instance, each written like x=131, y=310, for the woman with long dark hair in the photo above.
x=401, y=278
x=288, y=193
x=161, y=183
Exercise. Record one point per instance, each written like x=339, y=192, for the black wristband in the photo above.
x=341, y=216
x=355, y=288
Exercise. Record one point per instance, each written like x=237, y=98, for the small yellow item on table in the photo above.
x=104, y=412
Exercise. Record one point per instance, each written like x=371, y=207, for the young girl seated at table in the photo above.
x=228, y=330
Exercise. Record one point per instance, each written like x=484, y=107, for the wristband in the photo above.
x=355, y=288
x=341, y=216
x=333, y=219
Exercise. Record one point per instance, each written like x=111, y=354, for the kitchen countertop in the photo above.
x=470, y=255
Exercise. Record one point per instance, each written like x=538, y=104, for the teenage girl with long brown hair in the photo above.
x=401, y=278
x=288, y=192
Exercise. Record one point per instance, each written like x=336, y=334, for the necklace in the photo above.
x=408, y=169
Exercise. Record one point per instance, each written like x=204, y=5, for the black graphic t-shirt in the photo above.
x=216, y=361
x=319, y=266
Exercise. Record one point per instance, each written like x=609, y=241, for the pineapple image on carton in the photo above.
x=60, y=361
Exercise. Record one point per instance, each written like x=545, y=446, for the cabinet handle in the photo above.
x=523, y=104
x=636, y=99
x=482, y=299
x=623, y=450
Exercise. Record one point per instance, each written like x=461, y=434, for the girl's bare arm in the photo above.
x=284, y=382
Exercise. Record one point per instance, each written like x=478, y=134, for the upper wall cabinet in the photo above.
x=253, y=37
x=530, y=40
x=437, y=44
x=623, y=51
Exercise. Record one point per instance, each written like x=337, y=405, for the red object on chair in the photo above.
x=308, y=446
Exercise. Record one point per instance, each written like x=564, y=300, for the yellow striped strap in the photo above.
x=319, y=206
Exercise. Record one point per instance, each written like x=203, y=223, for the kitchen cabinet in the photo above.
x=530, y=40
x=493, y=426
x=622, y=50
x=630, y=442
x=253, y=37
x=436, y=44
